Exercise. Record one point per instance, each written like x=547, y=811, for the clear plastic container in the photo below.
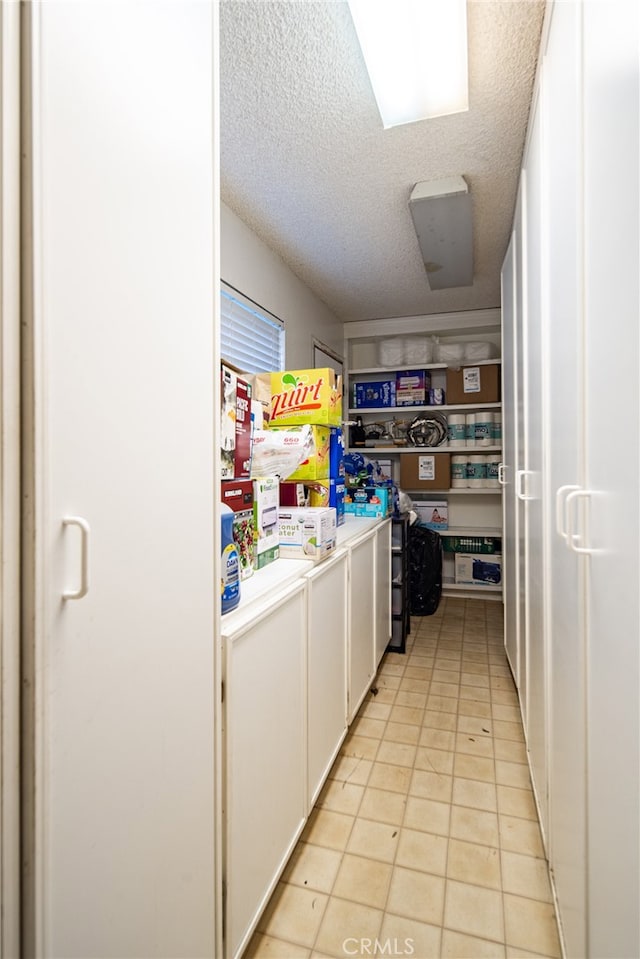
x=474, y=352
x=450, y=353
x=418, y=350
x=391, y=351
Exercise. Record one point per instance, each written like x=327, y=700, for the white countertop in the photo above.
x=275, y=577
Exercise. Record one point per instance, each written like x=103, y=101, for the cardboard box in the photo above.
x=382, y=469
x=336, y=452
x=317, y=465
x=425, y=471
x=367, y=501
x=306, y=396
x=265, y=519
x=329, y=492
x=473, y=384
x=306, y=532
x=235, y=424
x=434, y=514
x=294, y=494
x=318, y=493
x=378, y=393
x=478, y=569
x=238, y=494
x=411, y=387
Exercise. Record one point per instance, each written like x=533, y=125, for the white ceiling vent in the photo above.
x=441, y=211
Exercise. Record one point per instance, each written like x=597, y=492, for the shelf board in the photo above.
x=476, y=587
x=465, y=491
x=398, y=369
x=446, y=408
x=478, y=531
x=456, y=450
x=421, y=366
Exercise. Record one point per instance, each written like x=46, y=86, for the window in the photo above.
x=250, y=337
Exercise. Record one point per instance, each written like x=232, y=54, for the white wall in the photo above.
x=254, y=269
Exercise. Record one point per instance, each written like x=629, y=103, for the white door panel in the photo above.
x=510, y=570
x=565, y=585
x=612, y=164
x=382, y=592
x=520, y=444
x=123, y=275
x=266, y=751
x=326, y=667
x=362, y=621
x=534, y=465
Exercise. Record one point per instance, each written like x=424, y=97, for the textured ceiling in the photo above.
x=306, y=163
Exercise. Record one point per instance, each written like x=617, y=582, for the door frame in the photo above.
x=10, y=496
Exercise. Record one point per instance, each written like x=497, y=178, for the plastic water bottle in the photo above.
x=230, y=579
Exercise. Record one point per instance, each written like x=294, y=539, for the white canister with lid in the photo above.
x=457, y=429
x=496, y=432
x=459, y=472
x=492, y=461
x=418, y=349
x=391, y=351
x=471, y=429
x=476, y=471
x=484, y=429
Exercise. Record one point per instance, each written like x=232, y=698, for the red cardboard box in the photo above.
x=238, y=495
x=235, y=424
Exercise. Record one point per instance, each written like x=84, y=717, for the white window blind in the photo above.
x=250, y=337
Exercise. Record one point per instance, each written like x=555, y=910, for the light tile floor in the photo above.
x=425, y=839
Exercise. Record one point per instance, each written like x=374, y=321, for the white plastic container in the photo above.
x=473, y=352
x=450, y=353
x=471, y=428
x=476, y=471
x=492, y=462
x=496, y=432
x=484, y=429
x=418, y=350
x=457, y=429
x=391, y=351
x=459, y=472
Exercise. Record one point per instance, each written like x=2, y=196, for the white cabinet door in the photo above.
x=520, y=440
x=531, y=484
x=326, y=667
x=265, y=750
x=611, y=173
x=361, y=620
x=563, y=364
x=510, y=564
x=121, y=153
x=383, y=590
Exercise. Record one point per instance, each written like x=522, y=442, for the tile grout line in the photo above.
x=468, y=631
x=330, y=895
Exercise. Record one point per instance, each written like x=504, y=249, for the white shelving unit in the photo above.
x=473, y=512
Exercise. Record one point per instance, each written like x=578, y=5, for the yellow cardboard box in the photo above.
x=306, y=396
x=316, y=467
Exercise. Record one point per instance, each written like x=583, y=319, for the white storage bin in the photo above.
x=473, y=352
x=450, y=353
x=391, y=351
x=417, y=350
